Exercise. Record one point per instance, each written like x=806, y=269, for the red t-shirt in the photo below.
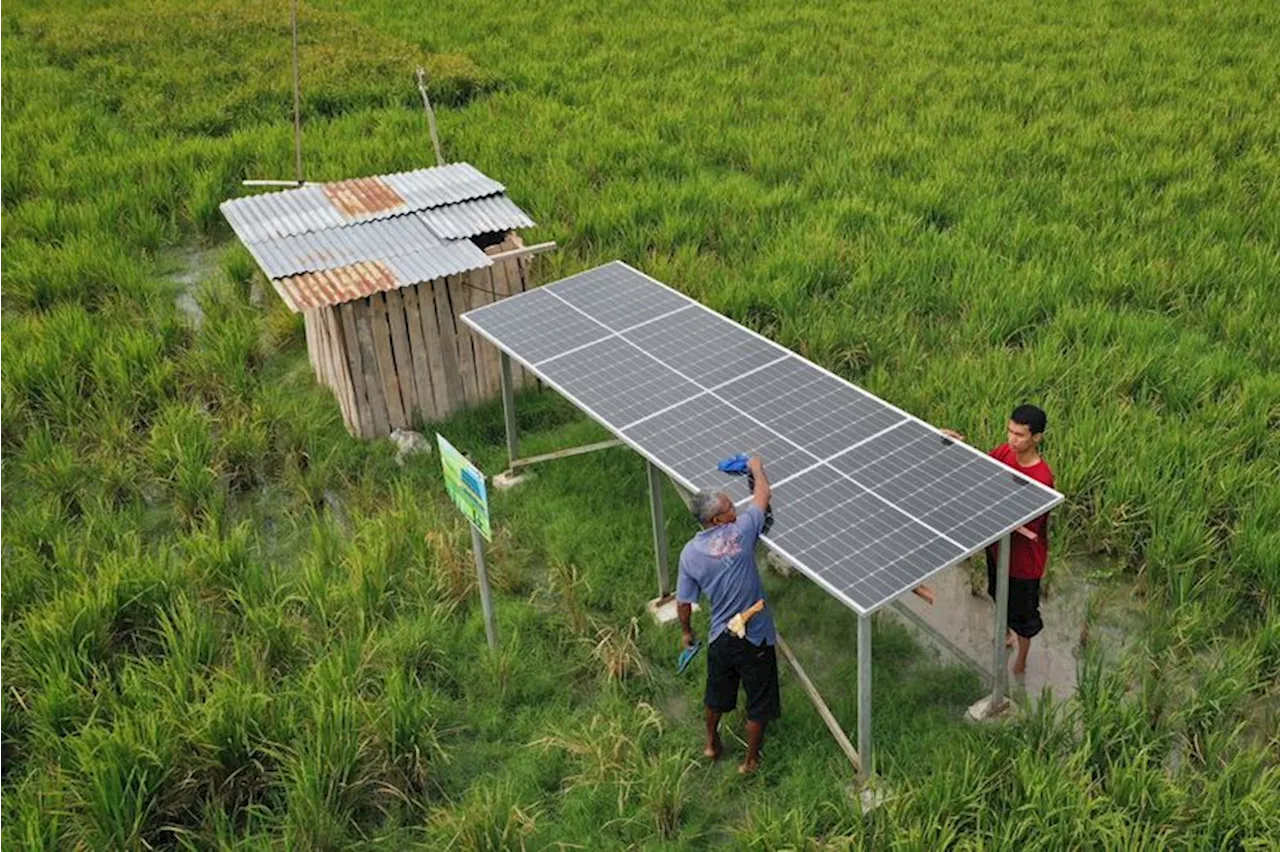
x=1027, y=557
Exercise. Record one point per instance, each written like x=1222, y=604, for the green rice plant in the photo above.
x=490, y=817
x=330, y=774
x=407, y=725
x=121, y=775
x=615, y=651
x=567, y=585
x=182, y=452
x=609, y=751
x=239, y=734
x=666, y=791
x=35, y=813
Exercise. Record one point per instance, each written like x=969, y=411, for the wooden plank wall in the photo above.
x=403, y=358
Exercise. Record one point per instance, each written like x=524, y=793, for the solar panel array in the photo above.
x=868, y=501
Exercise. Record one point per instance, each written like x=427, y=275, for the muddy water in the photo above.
x=1076, y=612
x=189, y=267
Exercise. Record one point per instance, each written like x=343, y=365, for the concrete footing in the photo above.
x=984, y=711
x=871, y=795
x=663, y=610
x=510, y=479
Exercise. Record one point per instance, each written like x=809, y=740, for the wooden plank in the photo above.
x=403, y=356
x=364, y=407
x=462, y=336
x=342, y=376
x=480, y=293
x=448, y=344
x=380, y=334
x=309, y=322
x=372, y=379
x=432, y=349
x=418, y=352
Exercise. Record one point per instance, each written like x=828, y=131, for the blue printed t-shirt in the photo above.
x=720, y=562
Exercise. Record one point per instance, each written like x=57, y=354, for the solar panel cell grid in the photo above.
x=617, y=382
x=704, y=347
x=536, y=326
x=817, y=411
x=618, y=296
x=692, y=438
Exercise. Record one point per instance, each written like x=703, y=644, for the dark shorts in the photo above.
x=731, y=660
x=1024, y=602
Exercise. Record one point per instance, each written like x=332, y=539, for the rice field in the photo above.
x=226, y=624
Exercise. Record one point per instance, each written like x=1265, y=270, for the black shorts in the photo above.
x=1024, y=602
x=731, y=660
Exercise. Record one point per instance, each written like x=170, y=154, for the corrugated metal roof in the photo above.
x=330, y=243
x=363, y=196
x=341, y=246
x=482, y=216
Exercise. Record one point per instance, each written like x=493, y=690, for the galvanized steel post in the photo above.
x=659, y=529
x=482, y=576
x=1001, y=673
x=864, y=698
x=509, y=413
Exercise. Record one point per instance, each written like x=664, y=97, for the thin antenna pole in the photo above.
x=297, y=100
x=431, y=115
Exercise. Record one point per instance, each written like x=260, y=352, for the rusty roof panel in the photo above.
x=494, y=214
x=361, y=197
x=310, y=290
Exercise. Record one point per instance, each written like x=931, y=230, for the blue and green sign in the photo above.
x=465, y=484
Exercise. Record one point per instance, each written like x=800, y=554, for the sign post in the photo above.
x=465, y=484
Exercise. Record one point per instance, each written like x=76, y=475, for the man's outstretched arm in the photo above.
x=760, y=496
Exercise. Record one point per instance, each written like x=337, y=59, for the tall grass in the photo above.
x=228, y=624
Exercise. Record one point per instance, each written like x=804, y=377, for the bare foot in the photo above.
x=714, y=749
x=1019, y=667
x=748, y=767
x=925, y=593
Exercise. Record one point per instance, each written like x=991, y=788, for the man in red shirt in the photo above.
x=1029, y=550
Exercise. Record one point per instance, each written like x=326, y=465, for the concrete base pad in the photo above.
x=663, y=610
x=509, y=479
x=983, y=711
x=871, y=795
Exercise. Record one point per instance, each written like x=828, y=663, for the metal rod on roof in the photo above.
x=431, y=115
x=297, y=100
x=264, y=182
x=524, y=251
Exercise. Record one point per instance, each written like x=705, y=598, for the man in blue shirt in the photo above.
x=720, y=562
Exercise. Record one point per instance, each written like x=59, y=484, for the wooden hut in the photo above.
x=380, y=268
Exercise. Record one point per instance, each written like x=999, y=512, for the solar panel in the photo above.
x=868, y=500
x=703, y=346
x=538, y=326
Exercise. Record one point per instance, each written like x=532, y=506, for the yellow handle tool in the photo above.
x=738, y=624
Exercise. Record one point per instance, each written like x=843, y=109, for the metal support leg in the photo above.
x=509, y=412
x=864, y=698
x=659, y=530
x=482, y=577
x=1001, y=674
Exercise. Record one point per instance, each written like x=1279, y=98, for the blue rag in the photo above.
x=735, y=464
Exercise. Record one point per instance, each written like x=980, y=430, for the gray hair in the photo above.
x=706, y=505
